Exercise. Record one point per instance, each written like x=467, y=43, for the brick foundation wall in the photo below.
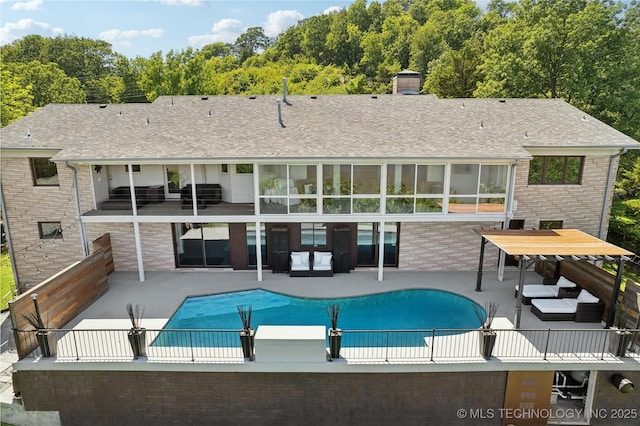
x=155, y=398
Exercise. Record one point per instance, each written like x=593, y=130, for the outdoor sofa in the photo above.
x=302, y=264
x=584, y=308
x=561, y=289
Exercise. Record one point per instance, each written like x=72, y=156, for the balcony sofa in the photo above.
x=120, y=197
x=206, y=193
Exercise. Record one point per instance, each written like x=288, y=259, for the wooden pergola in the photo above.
x=530, y=246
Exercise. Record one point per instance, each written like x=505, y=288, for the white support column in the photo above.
x=381, y=251
x=259, y=251
x=136, y=233
x=193, y=189
x=136, y=225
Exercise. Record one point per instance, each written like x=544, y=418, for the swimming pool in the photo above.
x=415, y=309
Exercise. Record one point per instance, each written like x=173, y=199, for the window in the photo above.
x=244, y=168
x=44, y=171
x=50, y=230
x=313, y=235
x=225, y=168
x=134, y=167
x=551, y=224
x=556, y=170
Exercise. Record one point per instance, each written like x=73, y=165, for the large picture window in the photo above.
x=44, y=171
x=556, y=170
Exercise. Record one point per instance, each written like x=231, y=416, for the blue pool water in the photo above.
x=416, y=309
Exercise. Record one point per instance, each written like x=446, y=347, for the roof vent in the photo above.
x=171, y=102
x=314, y=97
x=119, y=113
x=374, y=97
x=584, y=118
x=204, y=98
x=209, y=115
x=28, y=136
x=252, y=97
x=526, y=135
x=482, y=124
x=463, y=105
x=503, y=101
x=284, y=91
x=148, y=121
x=102, y=106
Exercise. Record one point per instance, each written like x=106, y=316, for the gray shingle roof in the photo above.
x=329, y=126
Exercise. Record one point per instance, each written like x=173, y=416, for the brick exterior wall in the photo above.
x=155, y=398
x=578, y=206
x=444, y=246
x=157, y=245
x=26, y=205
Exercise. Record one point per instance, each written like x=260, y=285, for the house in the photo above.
x=379, y=180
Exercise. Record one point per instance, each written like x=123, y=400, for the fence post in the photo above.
x=433, y=342
x=546, y=344
x=193, y=359
x=75, y=343
x=386, y=354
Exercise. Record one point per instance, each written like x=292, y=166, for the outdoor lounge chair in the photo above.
x=299, y=265
x=563, y=288
x=322, y=264
x=585, y=308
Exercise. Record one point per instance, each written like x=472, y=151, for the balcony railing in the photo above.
x=358, y=346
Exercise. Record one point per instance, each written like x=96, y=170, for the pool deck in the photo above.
x=162, y=292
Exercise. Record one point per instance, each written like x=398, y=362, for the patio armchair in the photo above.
x=562, y=288
x=299, y=265
x=322, y=264
x=584, y=308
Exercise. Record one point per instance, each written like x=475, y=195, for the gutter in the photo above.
x=83, y=236
x=12, y=258
x=607, y=194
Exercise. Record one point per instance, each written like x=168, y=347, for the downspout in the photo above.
x=509, y=208
x=76, y=192
x=8, y=236
x=607, y=194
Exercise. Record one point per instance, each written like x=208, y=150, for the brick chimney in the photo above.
x=406, y=82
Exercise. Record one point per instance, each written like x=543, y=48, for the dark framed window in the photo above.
x=313, y=235
x=50, y=230
x=244, y=168
x=552, y=170
x=134, y=167
x=551, y=224
x=224, y=168
x=44, y=172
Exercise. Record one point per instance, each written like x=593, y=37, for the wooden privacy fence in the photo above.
x=594, y=279
x=64, y=295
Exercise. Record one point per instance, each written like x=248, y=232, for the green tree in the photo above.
x=16, y=100
x=46, y=83
x=250, y=43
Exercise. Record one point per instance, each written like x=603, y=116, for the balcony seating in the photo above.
x=563, y=288
x=120, y=197
x=585, y=308
x=322, y=264
x=206, y=193
x=299, y=265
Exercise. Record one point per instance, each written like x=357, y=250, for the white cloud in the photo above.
x=225, y=30
x=332, y=9
x=280, y=20
x=191, y=3
x=27, y=5
x=14, y=30
x=113, y=35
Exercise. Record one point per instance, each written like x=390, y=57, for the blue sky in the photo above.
x=142, y=27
